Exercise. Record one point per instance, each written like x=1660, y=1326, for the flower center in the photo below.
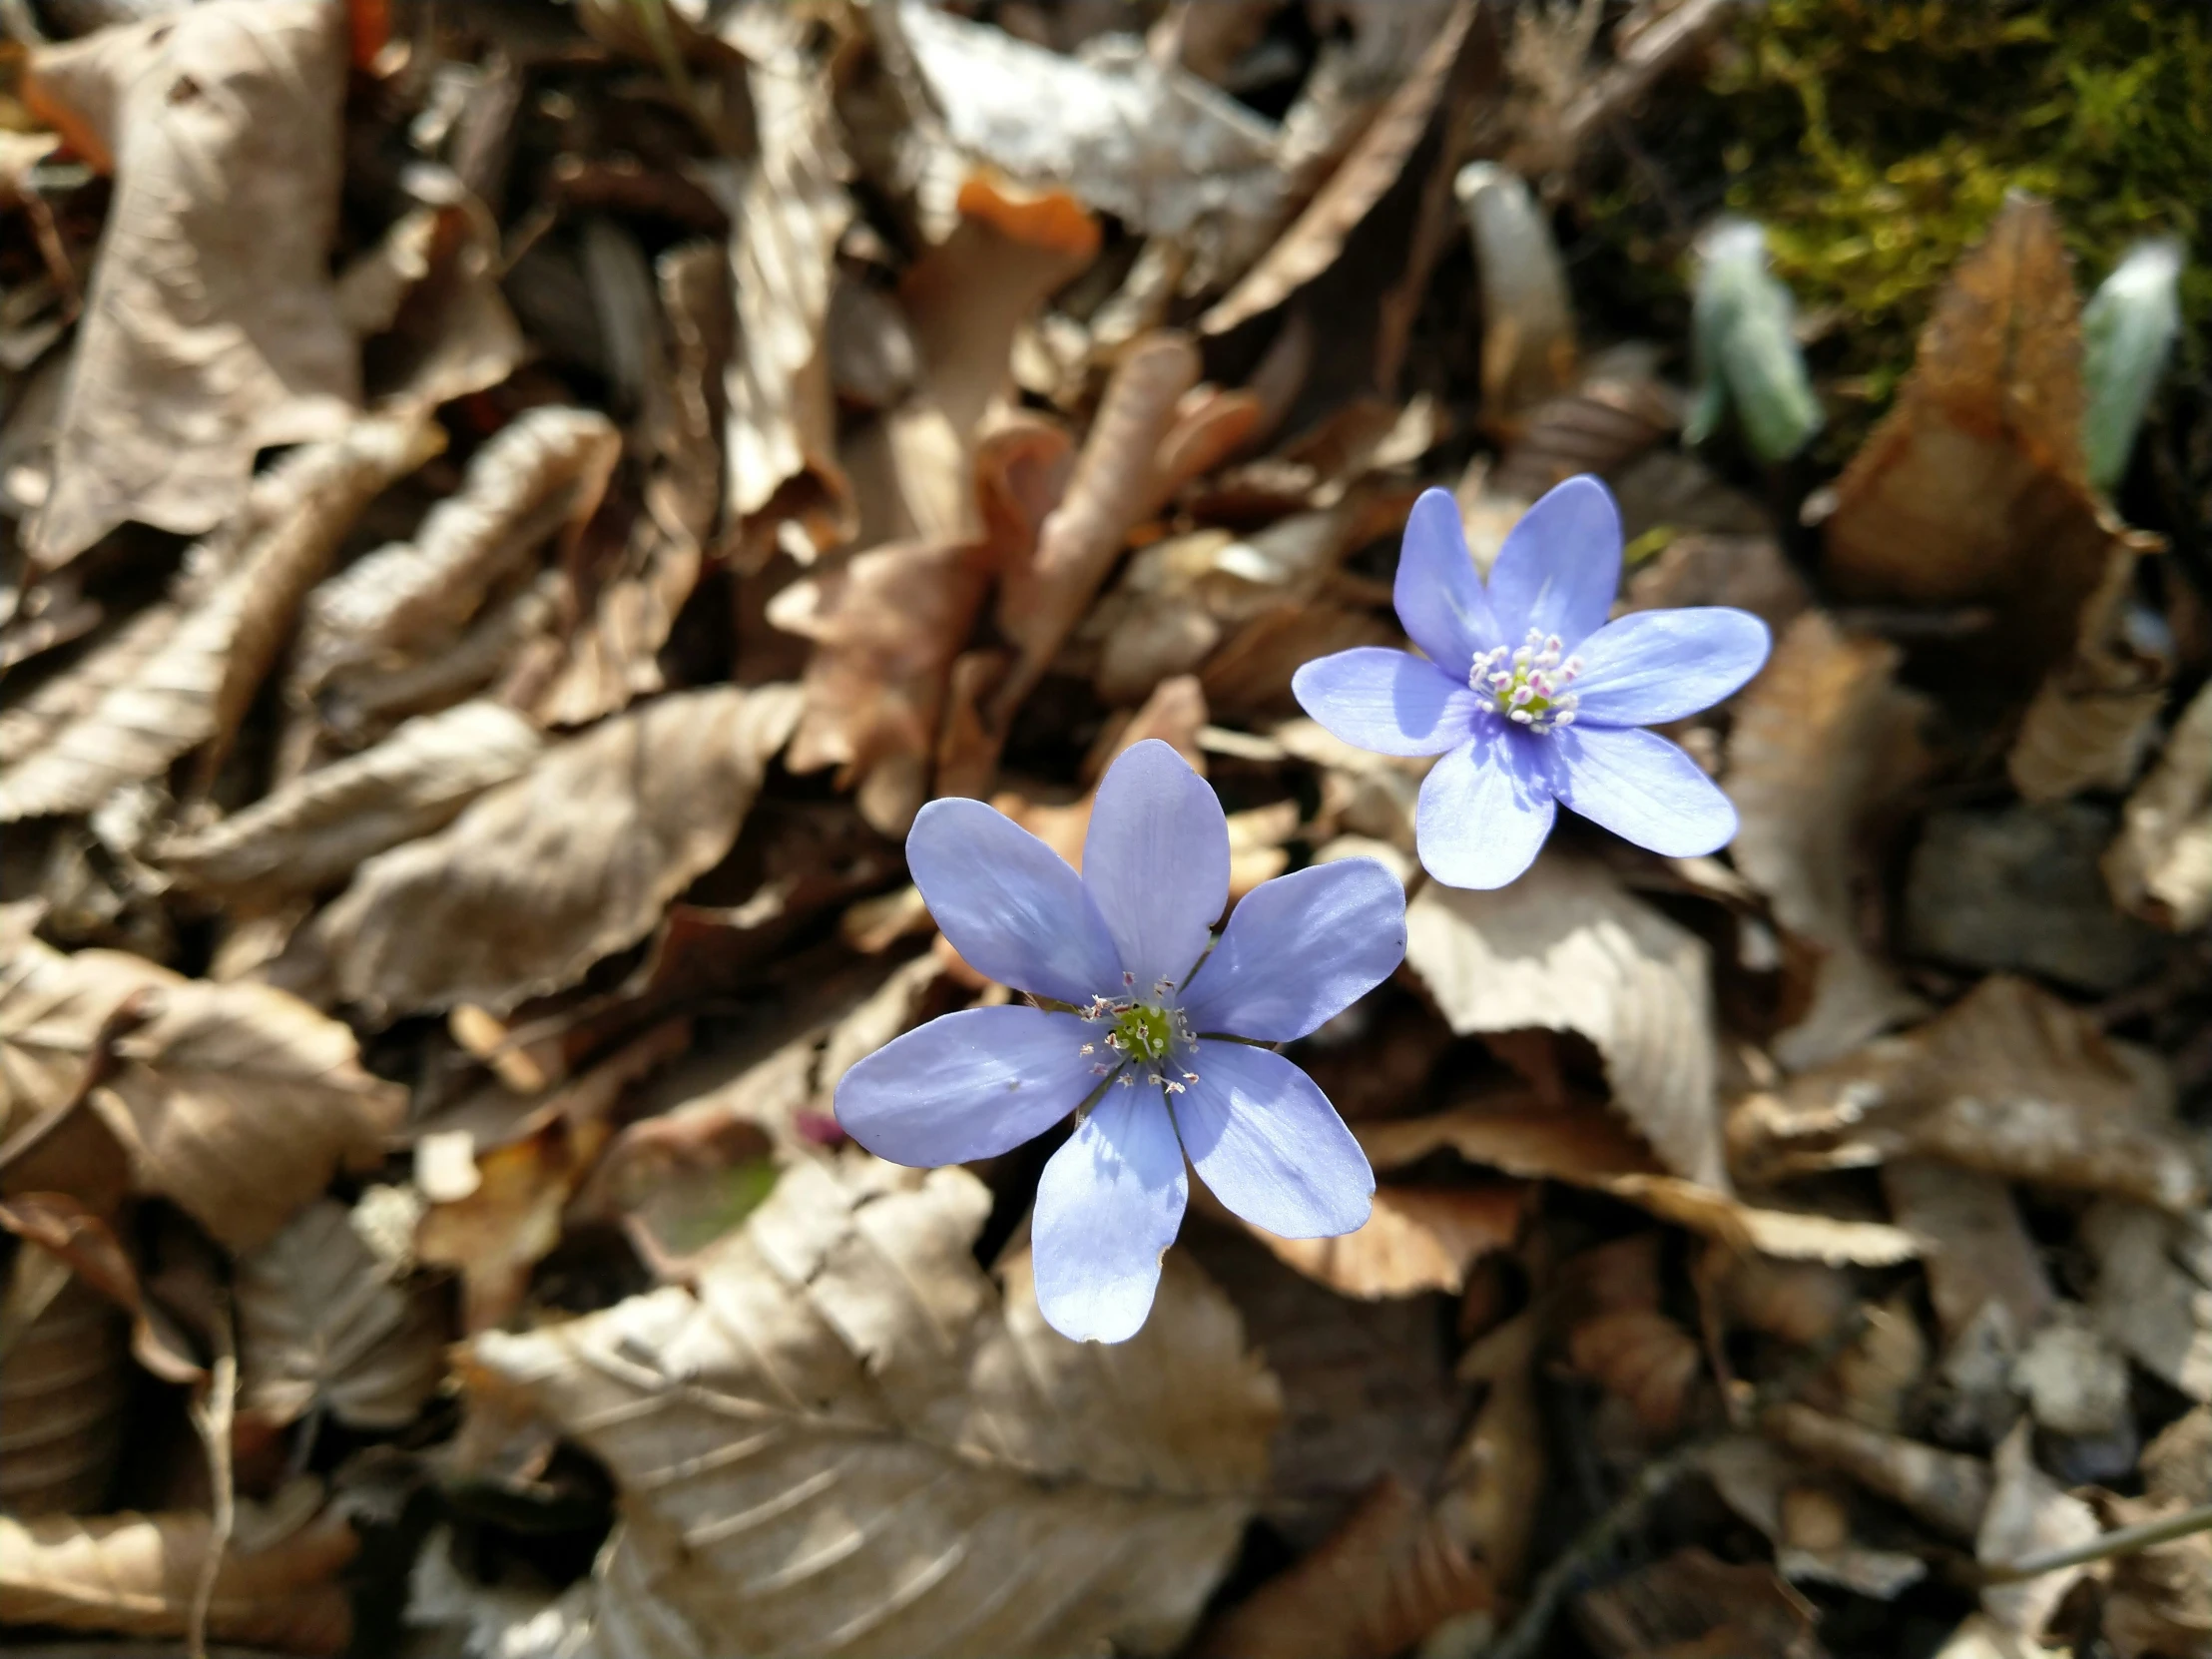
x=1529, y=683
x=1152, y=1039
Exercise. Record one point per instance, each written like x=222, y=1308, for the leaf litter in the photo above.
x=474, y=638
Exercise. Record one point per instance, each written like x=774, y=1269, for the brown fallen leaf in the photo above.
x=1981, y=1253
x=2010, y=1080
x=64, y=1386
x=1175, y=713
x=430, y=293
x=1806, y=1520
x=1945, y=1489
x=1495, y=1477
x=316, y=830
x=212, y=330
x=2028, y=1514
x=1692, y=1604
x=321, y=1325
x=1420, y=1237
x=136, y=1574
x=544, y=876
x=2160, y=1600
x=1642, y=1356
x=1567, y=948
x=1823, y=738
x=1051, y=1495
x=2160, y=866
x=65, y=1230
x=1381, y=1583
x=2093, y=715
x=2153, y=1294
x=1974, y=489
x=233, y=610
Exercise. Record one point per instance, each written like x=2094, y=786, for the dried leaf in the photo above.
x=1807, y=1525
x=1944, y=1488
x=314, y=829
x=1974, y=489
x=1053, y=1495
x=1419, y=1238
x=1381, y=1583
x=544, y=876
x=136, y=1574
x=64, y=1388
x=1644, y=1357
x=2073, y=1381
x=2161, y=867
x=321, y=1324
x=2028, y=1514
x=1567, y=948
x=2160, y=1600
x=2093, y=715
x=2009, y=1080
x=1692, y=1603
x=1980, y=1249
x=1495, y=1477
x=211, y=329
x=2155, y=1290
x=236, y=606
x=1817, y=748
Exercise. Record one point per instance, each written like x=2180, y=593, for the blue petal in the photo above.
x=969, y=1085
x=1156, y=859
x=1655, y=666
x=1391, y=701
x=1108, y=1207
x=1439, y=598
x=1643, y=788
x=1560, y=565
x=1010, y=904
x=1300, y=948
x=1485, y=809
x=1263, y=1137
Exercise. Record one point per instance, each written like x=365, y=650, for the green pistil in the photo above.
x=1143, y=1032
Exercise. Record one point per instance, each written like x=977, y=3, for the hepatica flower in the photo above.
x=1154, y=1035
x=1532, y=699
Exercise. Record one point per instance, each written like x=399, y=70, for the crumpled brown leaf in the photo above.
x=1051, y=1495
x=1693, y=1604
x=235, y=608
x=2153, y=1294
x=321, y=1323
x=2009, y=1080
x=1803, y=1519
x=2160, y=866
x=316, y=829
x=1822, y=739
x=1567, y=948
x=1419, y=1236
x=211, y=329
x=64, y=1386
x=545, y=874
x=2093, y=715
x=136, y=1574
x=1946, y=1490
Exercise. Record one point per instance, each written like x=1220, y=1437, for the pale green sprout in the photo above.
x=2127, y=331
x=1744, y=349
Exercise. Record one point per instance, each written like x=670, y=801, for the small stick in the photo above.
x=2121, y=1540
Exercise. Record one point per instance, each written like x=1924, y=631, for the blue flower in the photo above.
x=1141, y=1022
x=1492, y=692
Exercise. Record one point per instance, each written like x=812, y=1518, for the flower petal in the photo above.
x=1439, y=598
x=1010, y=904
x=1485, y=809
x=1560, y=565
x=1391, y=701
x=1156, y=861
x=1108, y=1206
x=1300, y=948
x=1643, y=788
x=1655, y=666
x=1263, y=1137
x=968, y=1085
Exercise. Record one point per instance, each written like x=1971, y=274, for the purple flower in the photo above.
x=1139, y=1021
x=1492, y=694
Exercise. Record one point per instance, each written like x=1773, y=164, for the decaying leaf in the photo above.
x=1381, y=1583
x=321, y=1324
x=2009, y=1080
x=2160, y=866
x=1980, y=1249
x=213, y=326
x=1051, y=1495
x=1567, y=948
x=1804, y=1519
x=1947, y=1490
x=527, y=888
x=1496, y=1474
x=2160, y=1601
x=2028, y=1514
x=1419, y=1238
x=1693, y=1604
x=64, y=1384
x=1822, y=739
x=317, y=829
x=137, y=1574
x=2153, y=1294
x=236, y=606
x=1643, y=1357
x=2093, y=715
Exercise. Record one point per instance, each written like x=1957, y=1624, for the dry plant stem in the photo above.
x=2121, y=1540
x=213, y=1412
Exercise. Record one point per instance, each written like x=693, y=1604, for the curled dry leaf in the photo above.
x=1051, y=1495
x=321, y=1323
x=2161, y=1600
x=1822, y=739
x=2009, y=1080
x=1947, y=1490
x=2093, y=715
x=1805, y=1521
x=64, y=1386
x=211, y=329
x=312, y=832
x=2160, y=866
x=2028, y=1514
x=1980, y=1250
x=1642, y=1356
x=1377, y=1586
x=234, y=611
x=408, y=602
x=2153, y=1293
x=1974, y=490
x=72, y=1233
x=1693, y=1604
x=1567, y=948
x=1417, y=1237
x=137, y=1575
x=546, y=874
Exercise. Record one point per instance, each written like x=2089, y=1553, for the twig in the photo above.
x=214, y=1411
x=2121, y=1540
